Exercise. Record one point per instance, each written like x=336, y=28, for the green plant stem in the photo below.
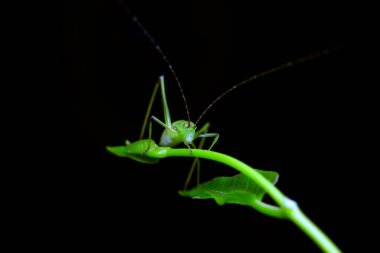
x=289, y=207
x=312, y=230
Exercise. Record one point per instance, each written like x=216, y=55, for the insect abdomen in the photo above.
x=167, y=140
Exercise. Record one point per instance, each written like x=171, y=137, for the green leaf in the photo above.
x=135, y=151
x=238, y=189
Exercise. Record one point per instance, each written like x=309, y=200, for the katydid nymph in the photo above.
x=177, y=132
x=185, y=131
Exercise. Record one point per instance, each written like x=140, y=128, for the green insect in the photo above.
x=184, y=131
x=175, y=133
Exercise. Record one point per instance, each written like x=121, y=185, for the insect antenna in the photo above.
x=286, y=65
x=159, y=50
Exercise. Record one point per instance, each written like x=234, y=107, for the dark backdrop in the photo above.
x=306, y=122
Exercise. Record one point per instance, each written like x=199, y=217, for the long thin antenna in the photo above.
x=159, y=50
x=265, y=73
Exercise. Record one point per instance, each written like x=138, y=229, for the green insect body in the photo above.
x=174, y=134
x=181, y=132
x=177, y=132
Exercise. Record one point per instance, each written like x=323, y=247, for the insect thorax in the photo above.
x=182, y=132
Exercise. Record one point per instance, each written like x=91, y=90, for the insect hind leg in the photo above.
x=196, y=161
x=146, y=118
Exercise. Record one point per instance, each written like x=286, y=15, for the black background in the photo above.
x=308, y=123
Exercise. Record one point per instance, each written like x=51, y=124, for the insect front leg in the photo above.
x=203, y=133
